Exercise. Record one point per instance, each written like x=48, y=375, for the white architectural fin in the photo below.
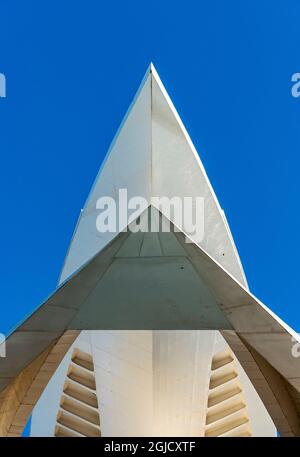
x=152, y=155
x=178, y=171
x=126, y=166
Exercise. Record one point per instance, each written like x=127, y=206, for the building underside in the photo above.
x=156, y=323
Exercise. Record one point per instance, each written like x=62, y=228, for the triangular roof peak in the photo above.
x=152, y=155
x=151, y=68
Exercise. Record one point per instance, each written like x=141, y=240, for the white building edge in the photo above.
x=173, y=342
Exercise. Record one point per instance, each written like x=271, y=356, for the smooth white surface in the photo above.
x=178, y=170
x=153, y=156
x=126, y=166
x=123, y=369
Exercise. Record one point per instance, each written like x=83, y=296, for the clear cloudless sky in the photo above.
x=72, y=69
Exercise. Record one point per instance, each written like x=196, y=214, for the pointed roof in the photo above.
x=183, y=285
x=152, y=155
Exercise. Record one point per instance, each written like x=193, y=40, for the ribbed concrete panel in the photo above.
x=44, y=417
x=161, y=383
x=77, y=414
x=260, y=422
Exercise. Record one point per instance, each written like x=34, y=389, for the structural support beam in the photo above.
x=20, y=396
x=269, y=384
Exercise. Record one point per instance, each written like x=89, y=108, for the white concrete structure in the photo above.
x=153, y=155
x=156, y=384
x=177, y=343
x=153, y=383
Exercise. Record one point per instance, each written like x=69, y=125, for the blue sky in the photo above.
x=72, y=69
